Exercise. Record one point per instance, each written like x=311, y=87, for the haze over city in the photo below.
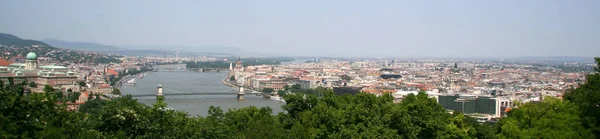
x=320, y=28
x=278, y=69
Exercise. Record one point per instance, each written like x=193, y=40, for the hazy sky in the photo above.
x=396, y=28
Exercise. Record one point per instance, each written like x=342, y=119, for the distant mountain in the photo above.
x=9, y=39
x=190, y=49
x=161, y=53
x=82, y=46
x=14, y=47
x=139, y=50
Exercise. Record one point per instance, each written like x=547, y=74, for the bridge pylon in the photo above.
x=240, y=94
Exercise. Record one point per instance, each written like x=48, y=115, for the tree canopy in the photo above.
x=551, y=118
x=267, y=90
x=587, y=98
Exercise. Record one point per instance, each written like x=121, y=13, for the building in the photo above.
x=346, y=90
x=400, y=94
x=4, y=62
x=273, y=84
x=471, y=104
x=53, y=75
x=309, y=83
x=83, y=97
x=237, y=71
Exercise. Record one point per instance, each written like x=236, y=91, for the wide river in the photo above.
x=195, y=82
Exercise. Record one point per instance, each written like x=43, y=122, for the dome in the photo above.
x=31, y=56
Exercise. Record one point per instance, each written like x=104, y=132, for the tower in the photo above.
x=240, y=94
x=231, y=71
x=177, y=52
x=386, y=64
x=160, y=104
x=159, y=90
x=455, y=69
x=238, y=65
x=31, y=61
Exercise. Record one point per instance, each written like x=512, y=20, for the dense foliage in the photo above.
x=360, y=116
x=587, y=98
x=326, y=115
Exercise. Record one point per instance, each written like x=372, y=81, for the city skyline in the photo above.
x=311, y=28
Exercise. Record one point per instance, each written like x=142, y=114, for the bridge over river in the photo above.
x=183, y=67
x=191, y=92
x=171, y=67
x=183, y=94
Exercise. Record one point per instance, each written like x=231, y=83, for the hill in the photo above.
x=9, y=39
x=193, y=50
x=13, y=48
x=136, y=50
x=139, y=50
x=82, y=46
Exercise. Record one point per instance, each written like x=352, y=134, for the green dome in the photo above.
x=31, y=56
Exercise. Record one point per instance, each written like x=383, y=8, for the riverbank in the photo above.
x=194, y=82
x=265, y=95
x=119, y=83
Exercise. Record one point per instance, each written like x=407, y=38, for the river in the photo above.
x=197, y=82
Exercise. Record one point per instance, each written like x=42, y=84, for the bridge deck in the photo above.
x=183, y=94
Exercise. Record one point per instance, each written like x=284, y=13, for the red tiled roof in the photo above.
x=5, y=63
x=507, y=109
x=113, y=72
x=105, y=86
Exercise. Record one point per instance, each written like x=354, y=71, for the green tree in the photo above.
x=247, y=120
x=92, y=107
x=296, y=88
x=32, y=84
x=73, y=96
x=484, y=130
x=419, y=116
x=346, y=77
x=281, y=93
x=268, y=90
x=37, y=115
x=587, y=98
x=116, y=91
x=48, y=89
x=286, y=87
x=81, y=83
x=551, y=118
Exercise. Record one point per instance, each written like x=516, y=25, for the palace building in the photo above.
x=53, y=75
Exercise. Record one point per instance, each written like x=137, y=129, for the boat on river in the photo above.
x=277, y=98
x=131, y=82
